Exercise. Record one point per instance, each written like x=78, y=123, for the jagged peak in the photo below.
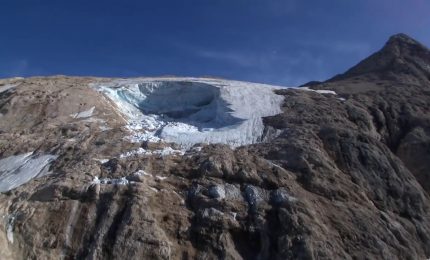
x=400, y=54
x=402, y=44
x=402, y=38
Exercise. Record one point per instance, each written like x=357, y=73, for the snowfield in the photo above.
x=188, y=111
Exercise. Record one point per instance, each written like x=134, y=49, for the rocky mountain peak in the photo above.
x=401, y=59
x=401, y=45
x=403, y=39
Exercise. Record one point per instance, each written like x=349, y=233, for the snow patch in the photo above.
x=6, y=88
x=104, y=128
x=142, y=172
x=193, y=110
x=321, y=91
x=139, y=151
x=102, y=161
x=153, y=189
x=168, y=151
x=161, y=178
x=113, y=181
x=9, y=228
x=196, y=149
x=84, y=114
x=19, y=169
x=163, y=152
x=130, y=179
x=234, y=215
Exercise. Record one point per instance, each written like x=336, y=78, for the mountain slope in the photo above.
x=393, y=86
x=330, y=177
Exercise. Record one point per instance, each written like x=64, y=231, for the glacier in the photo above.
x=188, y=111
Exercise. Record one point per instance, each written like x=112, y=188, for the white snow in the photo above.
x=196, y=149
x=102, y=161
x=168, y=151
x=153, y=189
x=84, y=114
x=134, y=152
x=95, y=181
x=19, y=169
x=6, y=88
x=161, y=178
x=142, y=172
x=104, y=128
x=234, y=214
x=113, y=181
x=119, y=181
x=9, y=229
x=321, y=91
x=163, y=152
x=193, y=110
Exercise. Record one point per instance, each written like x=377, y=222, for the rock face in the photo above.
x=337, y=176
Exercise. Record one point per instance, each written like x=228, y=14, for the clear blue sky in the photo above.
x=285, y=42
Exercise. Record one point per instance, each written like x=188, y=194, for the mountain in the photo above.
x=201, y=168
x=393, y=86
x=402, y=59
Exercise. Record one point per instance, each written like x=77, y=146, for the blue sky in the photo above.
x=284, y=42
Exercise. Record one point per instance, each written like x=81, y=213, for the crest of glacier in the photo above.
x=188, y=111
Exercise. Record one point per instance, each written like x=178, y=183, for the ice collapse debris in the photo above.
x=6, y=88
x=162, y=152
x=130, y=179
x=84, y=114
x=321, y=91
x=113, y=181
x=17, y=170
x=187, y=111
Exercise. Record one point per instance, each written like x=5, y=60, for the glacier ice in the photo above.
x=10, y=226
x=321, y=91
x=19, y=169
x=5, y=88
x=113, y=181
x=188, y=111
x=84, y=114
x=161, y=152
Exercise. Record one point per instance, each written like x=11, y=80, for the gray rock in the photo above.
x=216, y=192
x=281, y=196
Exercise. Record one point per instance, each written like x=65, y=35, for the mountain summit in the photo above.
x=401, y=59
x=202, y=168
